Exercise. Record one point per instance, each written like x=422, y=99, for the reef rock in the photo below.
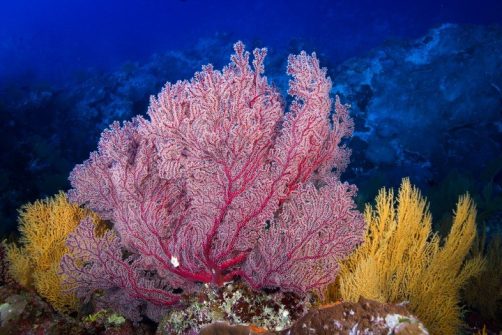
x=426, y=106
x=363, y=317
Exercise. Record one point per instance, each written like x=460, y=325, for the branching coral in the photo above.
x=484, y=291
x=218, y=183
x=44, y=226
x=402, y=260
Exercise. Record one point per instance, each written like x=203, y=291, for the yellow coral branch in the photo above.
x=402, y=260
x=44, y=226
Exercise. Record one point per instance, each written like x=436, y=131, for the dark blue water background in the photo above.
x=68, y=68
x=49, y=39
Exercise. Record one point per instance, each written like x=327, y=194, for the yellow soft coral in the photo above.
x=402, y=260
x=484, y=292
x=44, y=226
x=19, y=264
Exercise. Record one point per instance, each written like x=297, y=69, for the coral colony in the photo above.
x=222, y=212
x=218, y=183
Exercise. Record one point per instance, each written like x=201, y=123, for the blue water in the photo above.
x=68, y=68
x=48, y=40
x=423, y=78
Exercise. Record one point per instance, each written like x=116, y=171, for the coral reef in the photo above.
x=24, y=312
x=362, y=317
x=236, y=304
x=44, y=226
x=219, y=183
x=394, y=99
x=402, y=260
x=222, y=204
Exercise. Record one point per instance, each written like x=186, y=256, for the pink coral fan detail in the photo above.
x=219, y=182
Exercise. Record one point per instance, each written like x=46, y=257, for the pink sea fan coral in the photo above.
x=220, y=183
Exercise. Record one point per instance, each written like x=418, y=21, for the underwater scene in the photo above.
x=251, y=167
